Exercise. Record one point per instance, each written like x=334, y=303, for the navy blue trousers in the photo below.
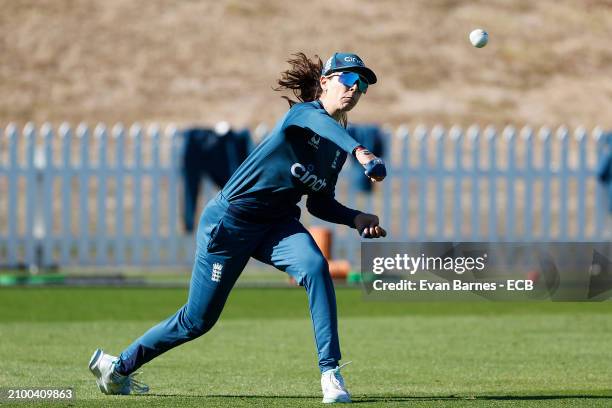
x=224, y=246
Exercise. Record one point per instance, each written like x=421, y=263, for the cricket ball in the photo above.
x=479, y=38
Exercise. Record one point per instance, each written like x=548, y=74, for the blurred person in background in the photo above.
x=604, y=175
x=224, y=149
x=256, y=215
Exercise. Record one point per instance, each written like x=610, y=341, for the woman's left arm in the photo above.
x=327, y=208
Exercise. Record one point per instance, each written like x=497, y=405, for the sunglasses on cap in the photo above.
x=349, y=79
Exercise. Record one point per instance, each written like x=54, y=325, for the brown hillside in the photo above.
x=202, y=61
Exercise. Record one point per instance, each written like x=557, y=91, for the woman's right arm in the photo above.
x=324, y=126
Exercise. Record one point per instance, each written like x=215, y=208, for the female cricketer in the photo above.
x=256, y=215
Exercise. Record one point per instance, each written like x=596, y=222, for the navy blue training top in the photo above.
x=301, y=156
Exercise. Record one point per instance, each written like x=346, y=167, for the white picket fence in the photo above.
x=113, y=197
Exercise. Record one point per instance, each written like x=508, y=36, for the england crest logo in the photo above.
x=216, y=272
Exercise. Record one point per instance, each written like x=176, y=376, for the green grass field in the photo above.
x=261, y=353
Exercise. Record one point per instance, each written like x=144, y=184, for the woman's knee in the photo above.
x=199, y=327
x=198, y=324
x=314, y=267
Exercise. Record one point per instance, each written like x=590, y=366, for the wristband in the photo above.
x=376, y=169
x=360, y=149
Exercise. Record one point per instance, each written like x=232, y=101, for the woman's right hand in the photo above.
x=374, y=167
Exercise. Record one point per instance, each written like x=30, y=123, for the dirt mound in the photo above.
x=548, y=62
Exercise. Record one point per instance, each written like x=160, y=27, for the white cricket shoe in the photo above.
x=333, y=386
x=102, y=366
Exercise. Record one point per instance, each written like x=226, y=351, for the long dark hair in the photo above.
x=302, y=78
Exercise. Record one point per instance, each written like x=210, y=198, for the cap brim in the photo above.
x=365, y=72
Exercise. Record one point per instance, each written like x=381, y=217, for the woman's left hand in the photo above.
x=367, y=225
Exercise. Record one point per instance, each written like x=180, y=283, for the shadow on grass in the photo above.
x=408, y=398
x=365, y=399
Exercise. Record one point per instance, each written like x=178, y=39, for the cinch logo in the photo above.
x=216, y=272
x=314, y=141
x=305, y=176
x=353, y=59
